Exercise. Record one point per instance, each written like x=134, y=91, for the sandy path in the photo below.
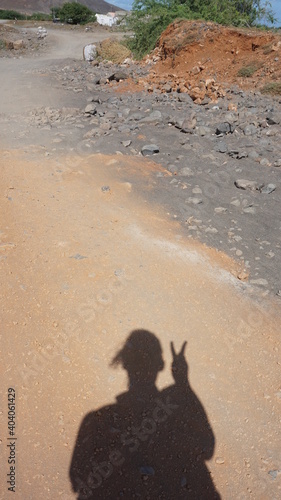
x=22, y=88
x=81, y=267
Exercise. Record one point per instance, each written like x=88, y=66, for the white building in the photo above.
x=107, y=19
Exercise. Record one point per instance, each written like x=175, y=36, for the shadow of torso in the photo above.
x=151, y=444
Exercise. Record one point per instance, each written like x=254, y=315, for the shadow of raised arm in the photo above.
x=179, y=365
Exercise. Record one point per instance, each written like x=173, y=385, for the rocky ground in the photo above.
x=222, y=159
x=16, y=41
x=30, y=38
x=218, y=141
x=110, y=179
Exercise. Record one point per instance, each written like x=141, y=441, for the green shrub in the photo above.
x=11, y=14
x=148, y=24
x=39, y=16
x=75, y=13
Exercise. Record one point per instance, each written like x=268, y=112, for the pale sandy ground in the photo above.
x=64, y=317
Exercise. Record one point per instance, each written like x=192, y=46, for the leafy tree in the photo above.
x=75, y=13
x=55, y=12
x=149, y=19
x=235, y=12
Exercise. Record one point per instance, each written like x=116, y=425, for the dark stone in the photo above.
x=225, y=128
x=118, y=75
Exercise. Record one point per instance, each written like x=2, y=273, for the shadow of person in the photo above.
x=150, y=444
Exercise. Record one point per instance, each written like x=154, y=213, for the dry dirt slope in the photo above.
x=210, y=57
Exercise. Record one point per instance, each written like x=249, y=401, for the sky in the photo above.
x=276, y=7
x=127, y=4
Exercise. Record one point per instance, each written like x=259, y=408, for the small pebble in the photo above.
x=269, y=188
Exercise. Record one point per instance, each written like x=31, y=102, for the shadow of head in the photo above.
x=141, y=356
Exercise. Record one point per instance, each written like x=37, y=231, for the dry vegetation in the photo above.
x=112, y=50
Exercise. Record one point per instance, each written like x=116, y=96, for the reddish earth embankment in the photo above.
x=203, y=58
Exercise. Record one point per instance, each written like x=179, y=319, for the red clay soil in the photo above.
x=205, y=58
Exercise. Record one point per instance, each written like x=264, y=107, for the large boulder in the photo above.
x=90, y=52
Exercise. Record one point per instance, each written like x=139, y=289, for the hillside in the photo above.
x=30, y=6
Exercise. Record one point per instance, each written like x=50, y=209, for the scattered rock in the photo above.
x=250, y=130
x=90, y=109
x=173, y=169
x=155, y=116
x=221, y=147
x=273, y=119
x=185, y=172
x=269, y=188
x=197, y=93
x=247, y=185
x=225, y=128
x=167, y=88
x=220, y=210
x=41, y=32
x=241, y=155
x=78, y=256
x=260, y=282
x=18, y=44
x=264, y=162
x=274, y=473
x=197, y=190
x=118, y=76
x=146, y=470
x=249, y=210
x=126, y=144
x=149, y=149
x=202, y=131
x=194, y=201
x=243, y=275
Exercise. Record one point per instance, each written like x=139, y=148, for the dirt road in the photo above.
x=85, y=260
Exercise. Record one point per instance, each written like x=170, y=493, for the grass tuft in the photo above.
x=249, y=70
x=273, y=88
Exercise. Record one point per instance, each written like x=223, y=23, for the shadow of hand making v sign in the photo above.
x=150, y=444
